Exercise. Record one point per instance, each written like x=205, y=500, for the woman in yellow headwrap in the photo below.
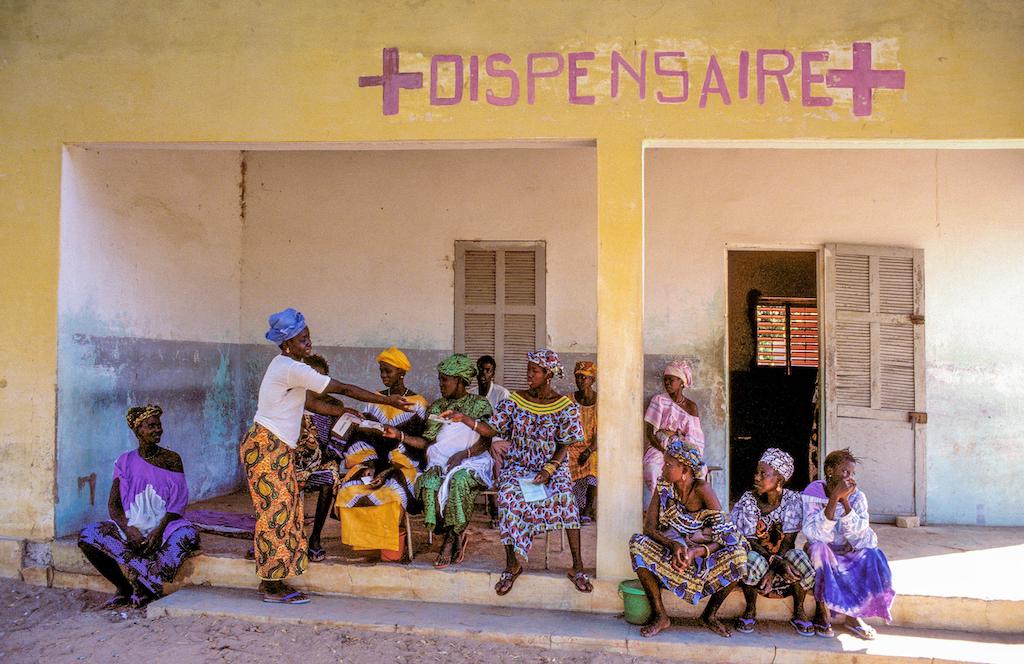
x=582, y=454
x=379, y=473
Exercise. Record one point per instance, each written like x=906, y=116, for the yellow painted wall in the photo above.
x=285, y=71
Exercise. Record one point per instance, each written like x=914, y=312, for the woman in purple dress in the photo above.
x=851, y=574
x=145, y=541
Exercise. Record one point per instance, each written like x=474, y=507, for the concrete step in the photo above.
x=772, y=642
x=923, y=608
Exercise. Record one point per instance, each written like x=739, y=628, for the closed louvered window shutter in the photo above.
x=499, y=304
x=875, y=363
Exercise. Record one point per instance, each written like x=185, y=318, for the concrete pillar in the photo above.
x=620, y=348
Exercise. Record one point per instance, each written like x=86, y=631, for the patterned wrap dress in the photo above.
x=148, y=493
x=851, y=574
x=448, y=497
x=583, y=475
x=768, y=530
x=706, y=576
x=377, y=526
x=535, y=431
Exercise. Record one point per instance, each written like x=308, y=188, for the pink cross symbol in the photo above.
x=862, y=79
x=391, y=81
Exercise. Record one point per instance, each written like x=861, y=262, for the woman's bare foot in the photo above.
x=715, y=625
x=656, y=625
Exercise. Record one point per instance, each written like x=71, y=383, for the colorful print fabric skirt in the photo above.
x=279, y=541
x=144, y=572
x=855, y=583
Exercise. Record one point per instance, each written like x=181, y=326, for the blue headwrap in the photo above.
x=285, y=325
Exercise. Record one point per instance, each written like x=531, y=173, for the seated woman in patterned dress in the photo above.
x=145, y=541
x=540, y=425
x=688, y=544
x=458, y=464
x=379, y=471
x=770, y=517
x=851, y=574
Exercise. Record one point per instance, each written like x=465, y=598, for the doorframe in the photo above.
x=819, y=278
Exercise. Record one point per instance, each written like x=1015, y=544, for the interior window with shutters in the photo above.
x=787, y=332
x=500, y=304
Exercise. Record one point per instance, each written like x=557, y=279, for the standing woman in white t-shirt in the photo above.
x=289, y=387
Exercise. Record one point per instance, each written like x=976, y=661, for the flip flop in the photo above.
x=316, y=554
x=510, y=579
x=746, y=625
x=803, y=627
x=117, y=601
x=296, y=597
x=463, y=541
x=825, y=630
x=581, y=581
x=866, y=632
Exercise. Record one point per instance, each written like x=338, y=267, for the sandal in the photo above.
x=295, y=597
x=825, y=630
x=117, y=601
x=316, y=554
x=506, y=581
x=463, y=541
x=746, y=625
x=581, y=581
x=803, y=627
x=861, y=630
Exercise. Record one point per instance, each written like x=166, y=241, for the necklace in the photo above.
x=404, y=394
x=147, y=458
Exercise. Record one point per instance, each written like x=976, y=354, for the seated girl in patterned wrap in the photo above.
x=145, y=541
x=688, y=544
x=770, y=517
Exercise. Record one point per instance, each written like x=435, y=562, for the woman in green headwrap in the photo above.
x=458, y=464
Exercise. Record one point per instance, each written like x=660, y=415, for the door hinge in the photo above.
x=917, y=319
x=917, y=418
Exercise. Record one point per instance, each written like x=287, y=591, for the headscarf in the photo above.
x=395, y=358
x=681, y=370
x=585, y=368
x=780, y=461
x=285, y=325
x=548, y=359
x=139, y=414
x=686, y=454
x=458, y=365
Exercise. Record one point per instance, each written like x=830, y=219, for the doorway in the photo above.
x=774, y=357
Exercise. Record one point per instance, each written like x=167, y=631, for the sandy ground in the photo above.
x=47, y=624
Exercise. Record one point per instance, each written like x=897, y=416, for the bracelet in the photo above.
x=550, y=467
x=707, y=550
x=403, y=437
x=474, y=426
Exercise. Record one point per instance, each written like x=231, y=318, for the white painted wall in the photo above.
x=150, y=243
x=362, y=242
x=964, y=208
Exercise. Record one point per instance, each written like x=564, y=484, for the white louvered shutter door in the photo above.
x=500, y=304
x=874, y=380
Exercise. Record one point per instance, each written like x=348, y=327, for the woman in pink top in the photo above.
x=669, y=415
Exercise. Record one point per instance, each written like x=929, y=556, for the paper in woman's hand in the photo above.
x=532, y=492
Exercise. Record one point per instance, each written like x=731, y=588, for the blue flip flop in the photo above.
x=802, y=627
x=296, y=597
x=745, y=625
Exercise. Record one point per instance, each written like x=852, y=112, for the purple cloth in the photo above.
x=135, y=474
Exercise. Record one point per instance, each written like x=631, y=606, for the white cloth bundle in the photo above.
x=456, y=437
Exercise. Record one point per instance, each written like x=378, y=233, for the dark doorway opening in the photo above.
x=773, y=361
